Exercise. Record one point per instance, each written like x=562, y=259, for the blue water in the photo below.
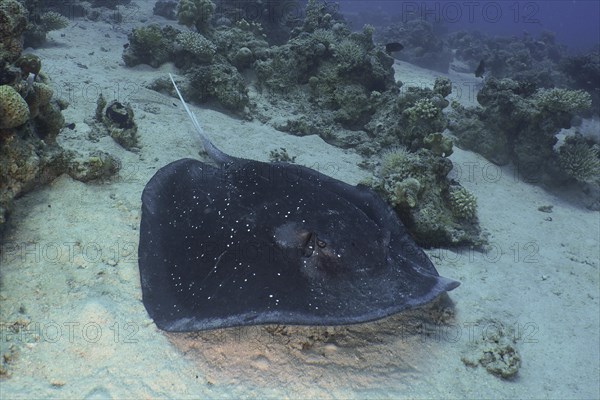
x=576, y=23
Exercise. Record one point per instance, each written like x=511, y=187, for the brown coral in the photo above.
x=13, y=22
x=13, y=109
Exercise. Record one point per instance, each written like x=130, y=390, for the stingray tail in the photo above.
x=215, y=154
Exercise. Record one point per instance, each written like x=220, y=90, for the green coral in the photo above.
x=349, y=54
x=463, y=203
x=563, y=100
x=405, y=193
x=221, y=82
x=416, y=185
x=438, y=144
x=352, y=103
x=147, y=45
x=196, y=13
x=579, y=159
x=395, y=160
x=442, y=86
x=424, y=109
x=325, y=36
x=195, y=43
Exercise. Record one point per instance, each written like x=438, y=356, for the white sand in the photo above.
x=71, y=265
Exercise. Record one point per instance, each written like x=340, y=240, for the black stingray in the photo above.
x=249, y=242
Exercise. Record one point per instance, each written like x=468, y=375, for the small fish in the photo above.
x=392, y=47
x=480, y=69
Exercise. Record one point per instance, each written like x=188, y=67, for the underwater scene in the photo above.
x=299, y=199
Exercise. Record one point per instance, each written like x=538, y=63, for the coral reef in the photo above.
x=442, y=86
x=583, y=72
x=211, y=61
x=13, y=22
x=438, y=144
x=405, y=193
x=241, y=44
x=435, y=210
x=562, y=100
x=25, y=163
x=202, y=49
x=410, y=117
x=518, y=123
x=31, y=118
x=149, y=45
x=338, y=75
x=14, y=111
x=524, y=59
x=197, y=13
x=422, y=46
x=53, y=21
x=580, y=159
x=275, y=19
x=220, y=82
x=40, y=24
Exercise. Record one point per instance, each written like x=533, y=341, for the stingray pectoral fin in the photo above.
x=446, y=284
x=441, y=285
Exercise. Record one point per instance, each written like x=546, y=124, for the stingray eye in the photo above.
x=321, y=243
x=309, y=245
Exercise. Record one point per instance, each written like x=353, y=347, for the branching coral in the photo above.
x=423, y=109
x=394, y=160
x=579, y=159
x=198, y=45
x=349, y=54
x=324, y=36
x=463, y=202
x=564, y=100
x=52, y=21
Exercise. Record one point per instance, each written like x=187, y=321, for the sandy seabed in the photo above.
x=72, y=272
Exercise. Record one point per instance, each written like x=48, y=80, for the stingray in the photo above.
x=245, y=242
